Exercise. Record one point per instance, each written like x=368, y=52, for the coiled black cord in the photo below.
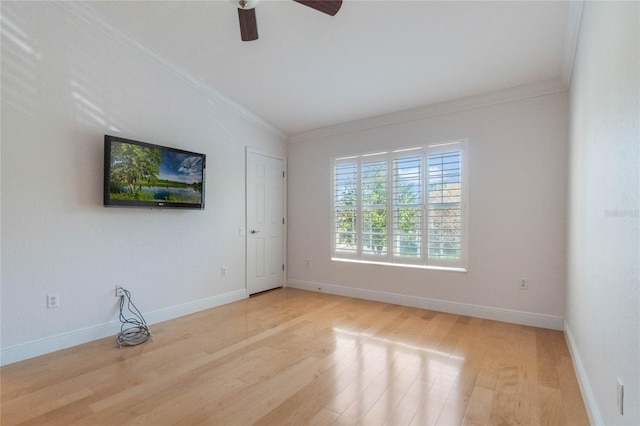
x=134, y=330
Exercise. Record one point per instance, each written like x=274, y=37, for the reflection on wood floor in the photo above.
x=296, y=357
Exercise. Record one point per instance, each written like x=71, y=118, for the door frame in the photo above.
x=249, y=151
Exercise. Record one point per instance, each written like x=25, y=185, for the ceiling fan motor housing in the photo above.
x=245, y=4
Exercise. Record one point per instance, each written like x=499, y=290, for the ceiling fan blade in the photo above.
x=248, y=25
x=330, y=7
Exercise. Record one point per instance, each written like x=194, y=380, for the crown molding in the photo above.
x=92, y=18
x=571, y=39
x=449, y=107
x=95, y=20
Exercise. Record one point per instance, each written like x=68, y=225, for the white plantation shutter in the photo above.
x=345, y=204
x=374, y=207
x=402, y=207
x=444, y=206
x=407, y=207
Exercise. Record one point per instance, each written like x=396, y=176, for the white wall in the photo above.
x=65, y=83
x=517, y=203
x=603, y=291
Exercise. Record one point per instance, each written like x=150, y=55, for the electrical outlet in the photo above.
x=524, y=284
x=53, y=301
x=119, y=291
x=223, y=271
x=620, y=397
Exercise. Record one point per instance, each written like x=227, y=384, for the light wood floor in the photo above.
x=295, y=357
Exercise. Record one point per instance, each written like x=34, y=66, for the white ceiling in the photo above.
x=310, y=70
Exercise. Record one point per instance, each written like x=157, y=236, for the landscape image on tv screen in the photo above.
x=141, y=173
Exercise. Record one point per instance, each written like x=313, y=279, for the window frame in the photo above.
x=390, y=257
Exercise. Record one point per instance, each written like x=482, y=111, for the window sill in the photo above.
x=401, y=265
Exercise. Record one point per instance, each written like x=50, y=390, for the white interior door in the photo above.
x=265, y=222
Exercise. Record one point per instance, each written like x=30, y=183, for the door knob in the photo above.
x=253, y=231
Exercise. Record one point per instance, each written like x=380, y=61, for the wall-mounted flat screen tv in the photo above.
x=140, y=174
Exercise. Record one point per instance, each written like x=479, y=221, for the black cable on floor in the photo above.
x=133, y=330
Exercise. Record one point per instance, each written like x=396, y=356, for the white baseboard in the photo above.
x=76, y=337
x=46, y=345
x=487, y=312
x=176, y=311
x=54, y=343
x=583, y=380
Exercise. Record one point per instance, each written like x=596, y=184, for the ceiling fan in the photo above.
x=247, y=14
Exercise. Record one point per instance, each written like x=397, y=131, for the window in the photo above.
x=402, y=207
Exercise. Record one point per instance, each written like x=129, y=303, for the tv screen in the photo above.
x=140, y=174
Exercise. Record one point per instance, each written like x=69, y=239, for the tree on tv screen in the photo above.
x=133, y=166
